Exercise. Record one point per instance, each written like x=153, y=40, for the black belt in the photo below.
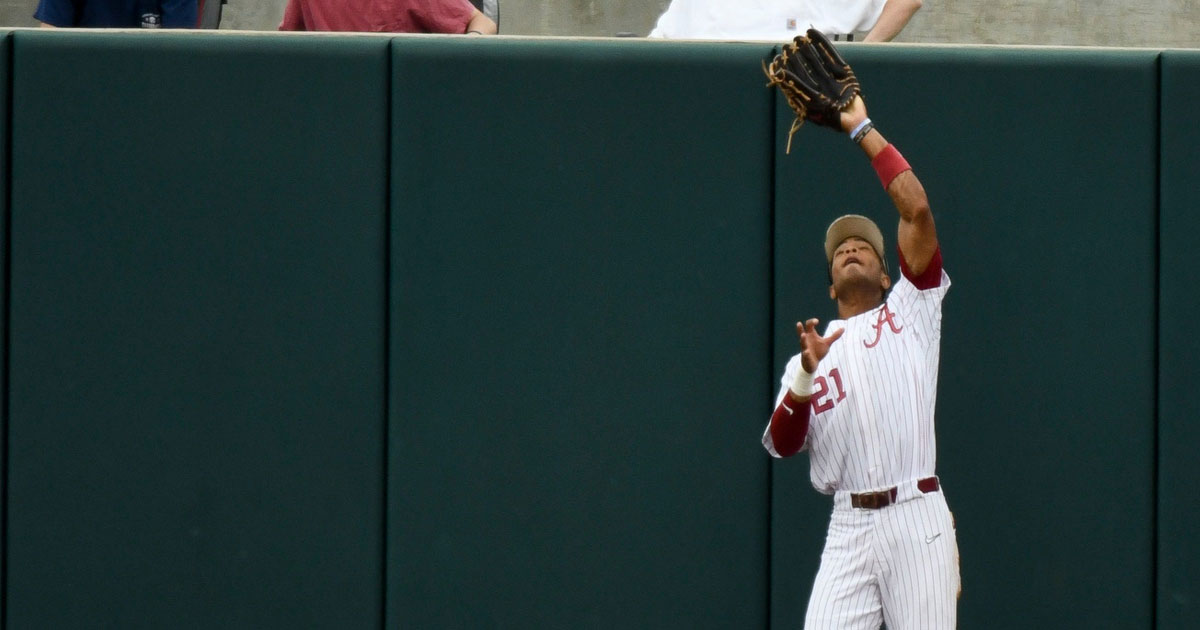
x=884, y=498
x=849, y=37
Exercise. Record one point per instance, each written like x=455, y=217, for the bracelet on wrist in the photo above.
x=861, y=130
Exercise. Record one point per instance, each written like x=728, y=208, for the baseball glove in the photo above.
x=817, y=83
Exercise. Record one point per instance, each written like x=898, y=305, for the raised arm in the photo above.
x=916, y=235
x=893, y=19
x=820, y=86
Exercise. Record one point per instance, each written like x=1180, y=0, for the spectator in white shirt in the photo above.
x=781, y=20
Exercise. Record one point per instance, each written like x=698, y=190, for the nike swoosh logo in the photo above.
x=930, y=539
x=789, y=409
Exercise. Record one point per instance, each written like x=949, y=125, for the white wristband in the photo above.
x=802, y=385
x=858, y=129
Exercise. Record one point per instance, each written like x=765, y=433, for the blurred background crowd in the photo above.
x=1134, y=23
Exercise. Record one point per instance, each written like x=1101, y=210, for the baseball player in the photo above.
x=859, y=397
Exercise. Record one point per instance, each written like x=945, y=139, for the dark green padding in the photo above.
x=1040, y=168
x=581, y=282
x=1179, y=345
x=198, y=247
x=5, y=83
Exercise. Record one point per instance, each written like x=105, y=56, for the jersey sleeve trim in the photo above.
x=930, y=278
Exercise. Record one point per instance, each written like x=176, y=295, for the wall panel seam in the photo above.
x=387, y=326
x=4, y=396
x=1156, y=340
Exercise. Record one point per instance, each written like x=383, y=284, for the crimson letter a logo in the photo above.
x=885, y=315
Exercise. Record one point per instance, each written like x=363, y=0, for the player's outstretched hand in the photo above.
x=814, y=347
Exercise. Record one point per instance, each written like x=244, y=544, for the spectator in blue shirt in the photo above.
x=117, y=13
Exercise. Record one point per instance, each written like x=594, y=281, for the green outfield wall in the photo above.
x=196, y=409
x=386, y=331
x=1179, y=345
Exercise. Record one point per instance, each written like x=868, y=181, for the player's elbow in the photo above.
x=786, y=443
x=788, y=451
x=917, y=211
x=779, y=449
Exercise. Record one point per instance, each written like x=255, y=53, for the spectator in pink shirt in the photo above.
x=387, y=16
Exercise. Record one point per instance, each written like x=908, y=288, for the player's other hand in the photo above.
x=813, y=346
x=854, y=113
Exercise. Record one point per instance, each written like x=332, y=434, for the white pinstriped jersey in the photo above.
x=874, y=394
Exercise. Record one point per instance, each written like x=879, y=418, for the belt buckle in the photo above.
x=874, y=500
x=871, y=500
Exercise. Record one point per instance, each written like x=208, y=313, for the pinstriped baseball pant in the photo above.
x=898, y=565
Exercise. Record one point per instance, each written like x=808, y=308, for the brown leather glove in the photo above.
x=817, y=83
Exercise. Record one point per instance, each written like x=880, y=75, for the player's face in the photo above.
x=856, y=265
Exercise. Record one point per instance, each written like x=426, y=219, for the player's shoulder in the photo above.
x=904, y=288
x=833, y=326
x=931, y=277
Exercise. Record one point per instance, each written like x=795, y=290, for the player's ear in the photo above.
x=885, y=282
x=832, y=293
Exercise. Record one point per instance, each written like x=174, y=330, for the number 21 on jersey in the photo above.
x=821, y=388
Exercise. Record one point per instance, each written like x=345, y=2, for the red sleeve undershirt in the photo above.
x=789, y=425
x=931, y=278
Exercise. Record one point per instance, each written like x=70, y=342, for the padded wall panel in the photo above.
x=581, y=286
x=1045, y=206
x=5, y=86
x=197, y=331
x=1179, y=345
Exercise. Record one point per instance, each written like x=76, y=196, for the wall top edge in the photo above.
x=635, y=41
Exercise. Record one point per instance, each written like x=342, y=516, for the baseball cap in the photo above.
x=849, y=225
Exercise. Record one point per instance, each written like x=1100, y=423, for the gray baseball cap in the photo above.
x=850, y=225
